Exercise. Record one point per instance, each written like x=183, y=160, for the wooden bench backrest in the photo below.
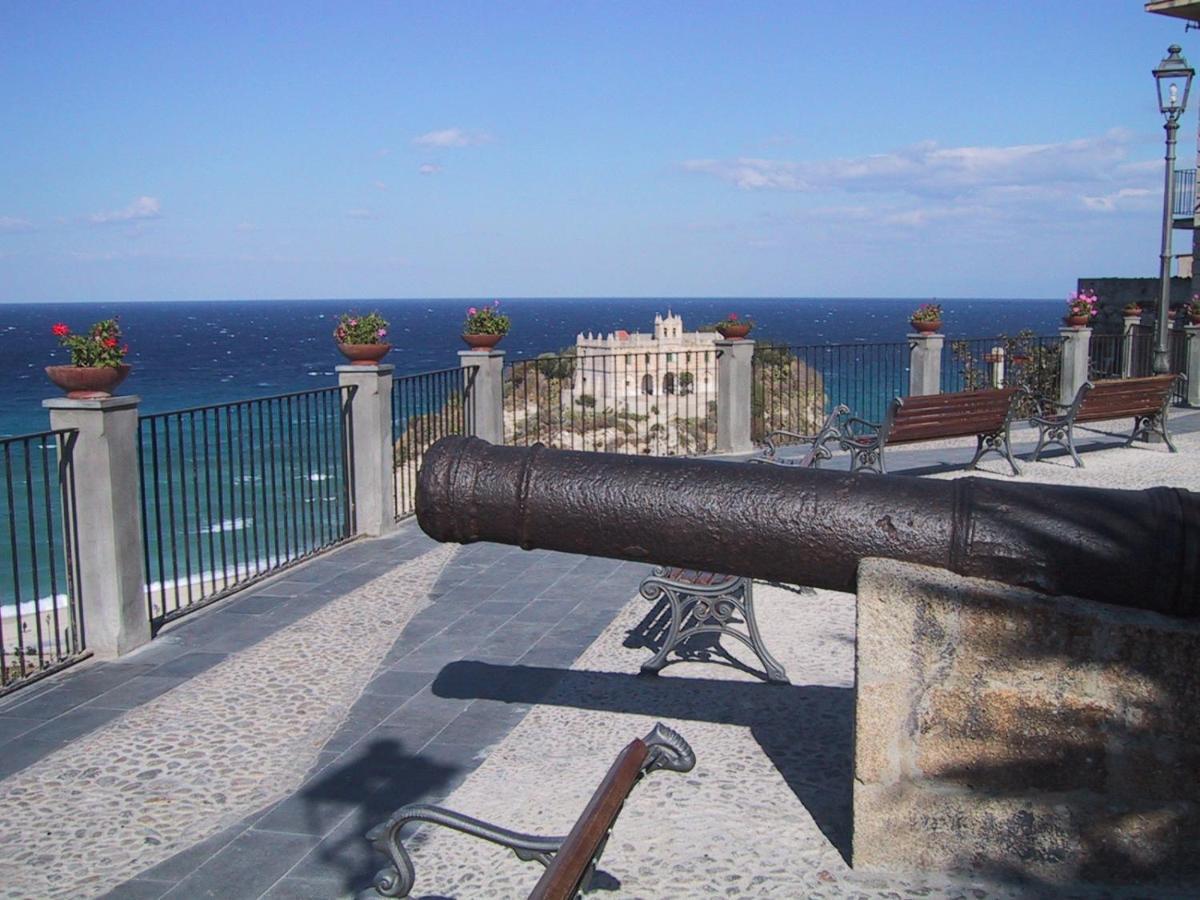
x=568, y=869
x=1119, y=398
x=961, y=414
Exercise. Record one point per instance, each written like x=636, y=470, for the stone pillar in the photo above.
x=1192, y=368
x=1074, y=372
x=925, y=364
x=1128, y=329
x=111, y=586
x=485, y=393
x=999, y=730
x=374, y=457
x=734, y=377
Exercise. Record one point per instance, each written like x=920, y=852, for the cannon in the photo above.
x=1135, y=549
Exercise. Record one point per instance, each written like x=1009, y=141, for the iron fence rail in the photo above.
x=41, y=617
x=795, y=387
x=646, y=402
x=236, y=491
x=425, y=408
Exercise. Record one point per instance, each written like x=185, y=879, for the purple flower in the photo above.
x=471, y=311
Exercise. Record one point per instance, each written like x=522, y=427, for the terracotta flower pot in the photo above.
x=733, y=332
x=1077, y=321
x=482, y=341
x=926, y=327
x=1194, y=318
x=88, y=382
x=364, y=354
x=1132, y=311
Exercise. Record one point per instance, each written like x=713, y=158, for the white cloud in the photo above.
x=429, y=169
x=380, y=185
x=926, y=183
x=141, y=208
x=13, y=224
x=246, y=226
x=361, y=214
x=452, y=137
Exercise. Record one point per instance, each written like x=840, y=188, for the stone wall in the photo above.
x=1007, y=734
x=1116, y=293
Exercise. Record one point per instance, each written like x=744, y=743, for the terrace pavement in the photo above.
x=249, y=747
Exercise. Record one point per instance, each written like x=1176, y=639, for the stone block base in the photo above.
x=1007, y=734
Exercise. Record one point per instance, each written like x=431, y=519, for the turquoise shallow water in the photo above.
x=190, y=353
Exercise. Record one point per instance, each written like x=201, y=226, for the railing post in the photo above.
x=485, y=393
x=1192, y=368
x=734, y=376
x=1129, y=327
x=925, y=364
x=371, y=435
x=1074, y=370
x=108, y=521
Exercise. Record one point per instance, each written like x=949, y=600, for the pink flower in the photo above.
x=471, y=311
x=733, y=317
x=353, y=322
x=382, y=332
x=60, y=329
x=496, y=303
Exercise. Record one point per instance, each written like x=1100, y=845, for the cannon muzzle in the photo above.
x=806, y=526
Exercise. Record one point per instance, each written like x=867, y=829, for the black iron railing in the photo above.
x=1108, y=356
x=237, y=491
x=1141, y=352
x=795, y=387
x=650, y=402
x=426, y=408
x=1177, y=342
x=1185, y=193
x=1024, y=360
x=41, y=619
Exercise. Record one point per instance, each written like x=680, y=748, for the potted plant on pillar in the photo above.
x=1192, y=309
x=361, y=338
x=733, y=328
x=1081, y=308
x=97, y=360
x=927, y=318
x=485, y=326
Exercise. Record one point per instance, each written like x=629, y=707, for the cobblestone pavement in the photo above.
x=200, y=757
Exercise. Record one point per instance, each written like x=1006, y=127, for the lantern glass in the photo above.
x=1174, y=80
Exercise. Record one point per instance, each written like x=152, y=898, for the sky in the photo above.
x=180, y=150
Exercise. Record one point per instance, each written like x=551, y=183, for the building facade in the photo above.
x=621, y=368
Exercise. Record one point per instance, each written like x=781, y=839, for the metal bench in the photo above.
x=1147, y=400
x=570, y=861
x=828, y=433
x=706, y=603
x=984, y=415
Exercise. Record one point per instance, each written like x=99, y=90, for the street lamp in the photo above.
x=1173, y=78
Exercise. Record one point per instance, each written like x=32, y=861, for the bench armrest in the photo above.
x=397, y=879
x=855, y=420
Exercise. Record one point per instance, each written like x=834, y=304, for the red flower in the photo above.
x=733, y=317
x=110, y=342
x=60, y=329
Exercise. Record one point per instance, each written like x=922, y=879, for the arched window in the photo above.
x=669, y=383
x=648, y=384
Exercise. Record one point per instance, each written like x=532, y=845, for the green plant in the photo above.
x=927, y=312
x=559, y=366
x=734, y=319
x=353, y=328
x=101, y=347
x=486, y=320
x=1083, y=304
x=586, y=400
x=686, y=380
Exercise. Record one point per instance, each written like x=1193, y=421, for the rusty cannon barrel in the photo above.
x=806, y=526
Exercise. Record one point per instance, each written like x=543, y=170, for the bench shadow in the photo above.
x=374, y=785
x=651, y=633
x=806, y=731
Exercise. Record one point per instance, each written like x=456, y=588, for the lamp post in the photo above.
x=1173, y=77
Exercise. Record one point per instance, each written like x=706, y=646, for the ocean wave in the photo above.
x=44, y=604
x=237, y=524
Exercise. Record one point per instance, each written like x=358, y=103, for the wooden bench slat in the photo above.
x=906, y=432
x=1000, y=397
x=561, y=879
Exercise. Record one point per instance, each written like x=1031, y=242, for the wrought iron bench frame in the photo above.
x=830, y=432
x=706, y=603
x=570, y=861
x=1059, y=428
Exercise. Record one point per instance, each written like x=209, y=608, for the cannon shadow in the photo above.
x=806, y=731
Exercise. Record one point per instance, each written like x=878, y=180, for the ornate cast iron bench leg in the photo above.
x=996, y=443
x=397, y=879
x=708, y=609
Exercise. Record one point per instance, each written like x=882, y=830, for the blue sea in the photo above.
x=191, y=353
